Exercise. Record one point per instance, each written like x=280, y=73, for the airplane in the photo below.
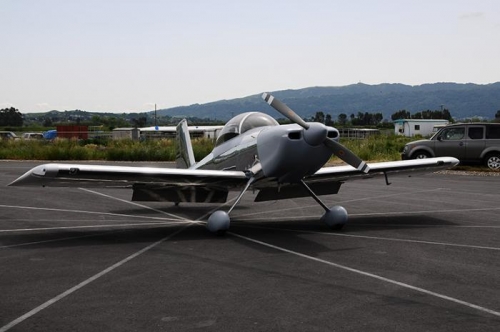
x=252, y=151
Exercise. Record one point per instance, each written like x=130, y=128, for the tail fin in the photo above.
x=184, y=155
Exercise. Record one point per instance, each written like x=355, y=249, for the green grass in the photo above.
x=118, y=150
x=373, y=149
x=377, y=147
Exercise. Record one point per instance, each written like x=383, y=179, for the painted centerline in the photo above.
x=371, y=275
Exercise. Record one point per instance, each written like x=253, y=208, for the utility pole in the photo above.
x=156, y=126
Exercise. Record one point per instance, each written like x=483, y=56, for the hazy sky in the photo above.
x=124, y=56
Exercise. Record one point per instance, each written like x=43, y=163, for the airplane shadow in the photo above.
x=355, y=224
x=286, y=233
x=192, y=211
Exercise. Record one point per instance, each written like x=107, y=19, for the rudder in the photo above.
x=184, y=150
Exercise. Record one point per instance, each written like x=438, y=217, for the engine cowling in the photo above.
x=288, y=153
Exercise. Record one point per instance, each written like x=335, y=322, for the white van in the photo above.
x=29, y=136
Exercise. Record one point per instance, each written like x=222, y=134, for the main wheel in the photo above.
x=421, y=155
x=492, y=160
x=218, y=222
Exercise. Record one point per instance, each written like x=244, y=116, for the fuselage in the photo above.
x=281, y=150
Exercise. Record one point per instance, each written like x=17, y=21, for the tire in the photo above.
x=421, y=155
x=492, y=161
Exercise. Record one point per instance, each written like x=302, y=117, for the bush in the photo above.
x=375, y=148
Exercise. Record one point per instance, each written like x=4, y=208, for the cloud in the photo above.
x=472, y=16
x=42, y=105
x=6, y=105
x=149, y=106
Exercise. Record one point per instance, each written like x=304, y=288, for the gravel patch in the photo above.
x=469, y=173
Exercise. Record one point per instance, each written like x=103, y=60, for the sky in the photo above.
x=128, y=55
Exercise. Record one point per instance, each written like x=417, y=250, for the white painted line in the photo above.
x=162, y=224
x=423, y=226
x=426, y=211
x=371, y=275
x=265, y=220
x=301, y=207
x=413, y=241
x=375, y=238
x=55, y=240
x=133, y=203
x=86, y=282
x=111, y=268
x=393, y=213
x=81, y=212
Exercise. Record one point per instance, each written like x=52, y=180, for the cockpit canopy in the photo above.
x=242, y=123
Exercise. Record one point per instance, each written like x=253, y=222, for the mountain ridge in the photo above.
x=463, y=100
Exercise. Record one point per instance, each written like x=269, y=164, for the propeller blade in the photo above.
x=285, y=110
x=347, y=155
x=337, y=149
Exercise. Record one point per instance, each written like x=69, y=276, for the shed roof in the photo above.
x=421, y=120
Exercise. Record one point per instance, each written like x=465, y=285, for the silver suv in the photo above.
x=468, y=142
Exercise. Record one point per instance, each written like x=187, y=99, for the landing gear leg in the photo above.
x=335, y=217
x=219, y=221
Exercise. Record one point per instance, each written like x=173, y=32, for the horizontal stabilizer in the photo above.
x=190, y=194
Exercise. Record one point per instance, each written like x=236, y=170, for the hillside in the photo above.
x=463, y=101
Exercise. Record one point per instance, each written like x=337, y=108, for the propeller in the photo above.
x=285, y=110
x=317, y=134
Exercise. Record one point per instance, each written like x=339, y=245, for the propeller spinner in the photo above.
x=316, y=134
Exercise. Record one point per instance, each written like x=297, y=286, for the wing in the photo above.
x=390, y=168
x=327, y=180
x=149, y=183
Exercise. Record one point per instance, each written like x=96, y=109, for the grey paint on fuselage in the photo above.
x=236, y=154
x=282, y=151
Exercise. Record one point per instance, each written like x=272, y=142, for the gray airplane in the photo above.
x=252, y=151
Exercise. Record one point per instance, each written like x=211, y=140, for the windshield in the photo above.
x=243, y=123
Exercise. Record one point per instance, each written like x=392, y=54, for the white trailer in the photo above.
x=412, y=127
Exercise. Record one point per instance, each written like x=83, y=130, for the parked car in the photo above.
x=468, y=142
x=30, y=136
x=8, y=135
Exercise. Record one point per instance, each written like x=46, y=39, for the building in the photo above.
x=211, y=132
x=357, y=133
x=423, y=127
x=73, y=131
x=128, y=133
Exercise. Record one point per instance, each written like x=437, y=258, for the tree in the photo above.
x=417, y=115
x=328, y=120
x=497, y=115
x=447, y=115
x=11, y=117
x=401, y=114
x=342, y=118
x=47, y=122
x=141, y=122
x=319, y=117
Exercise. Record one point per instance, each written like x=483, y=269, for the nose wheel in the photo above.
x=335, y=217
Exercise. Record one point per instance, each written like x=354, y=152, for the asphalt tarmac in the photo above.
x=422, y=254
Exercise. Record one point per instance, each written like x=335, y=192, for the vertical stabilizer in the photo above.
x=184, y=150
